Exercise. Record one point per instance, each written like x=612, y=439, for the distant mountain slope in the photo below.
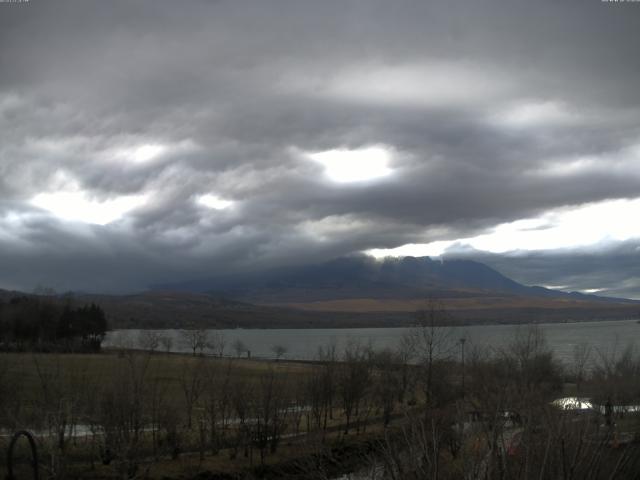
x=161, y=309
x=164, y=309
x=351, y=292
x=171, y=309
x=360, y=277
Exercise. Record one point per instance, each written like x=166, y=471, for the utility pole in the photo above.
x=462, y=342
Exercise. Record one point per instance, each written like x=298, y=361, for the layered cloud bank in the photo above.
x=149, y=142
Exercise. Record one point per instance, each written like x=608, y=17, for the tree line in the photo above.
x=47, y=324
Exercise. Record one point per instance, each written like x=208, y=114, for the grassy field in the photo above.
x=115, y=393
x=27, y=377
x=143, y=415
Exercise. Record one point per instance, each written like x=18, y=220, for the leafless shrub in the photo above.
x=149, y=340
x=279, y=351
x=216, y=344
x=239, y=347
x=167, y=342
x=195, y=340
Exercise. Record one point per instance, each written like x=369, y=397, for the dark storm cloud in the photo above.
x=482, y=103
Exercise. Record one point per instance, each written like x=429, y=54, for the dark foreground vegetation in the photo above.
x=436, y=408
x=38, y=323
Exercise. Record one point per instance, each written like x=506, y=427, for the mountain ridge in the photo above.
x=350, y=292
x=364, y=277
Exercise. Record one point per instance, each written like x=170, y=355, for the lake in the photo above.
x=302, y=344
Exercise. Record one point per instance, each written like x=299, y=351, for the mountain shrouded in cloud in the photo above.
x=153, y=142
x=361, y=277
x=356, y=291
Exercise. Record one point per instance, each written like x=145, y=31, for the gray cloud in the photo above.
x=235, y=90
x=611, y=271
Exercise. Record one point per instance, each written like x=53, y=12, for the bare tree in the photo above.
x=616, y=373
x=431, y=340
x=217, y=344
x=404, y=353
x=167, y=342
x=269, y=412
x=315, y=397
x=214, y=390
x=581, y=356
x=353, y=380
x=387, y=382
x=61, y=400
x=196, y=340
x=192, y=383
x=170, y=425
x=239, y=347
x=279, y=351
x=531, y=364
x=319, y=388
x=240, y=394
x=329, y=357
x=149, y=340
x=123, y=404
x=157, y=403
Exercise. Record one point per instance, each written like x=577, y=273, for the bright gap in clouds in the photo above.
x=433, y=249
x=570, y=227
x=146, y=153
x=77, y=206
x=141, y=154
x=431, y=83
x=533, y=114
x=214, y=202
x=346, y=166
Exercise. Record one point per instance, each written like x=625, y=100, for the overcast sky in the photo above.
x=146, y=142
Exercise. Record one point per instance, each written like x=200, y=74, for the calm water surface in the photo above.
x=605, y=336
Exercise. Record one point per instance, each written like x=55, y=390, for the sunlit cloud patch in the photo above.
x=435, y=84
x=359, y=165
x=593, y=224
x=214, y=202
x=529, y=114
x=78, y=206
x=141, y=152
x=146, y=153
